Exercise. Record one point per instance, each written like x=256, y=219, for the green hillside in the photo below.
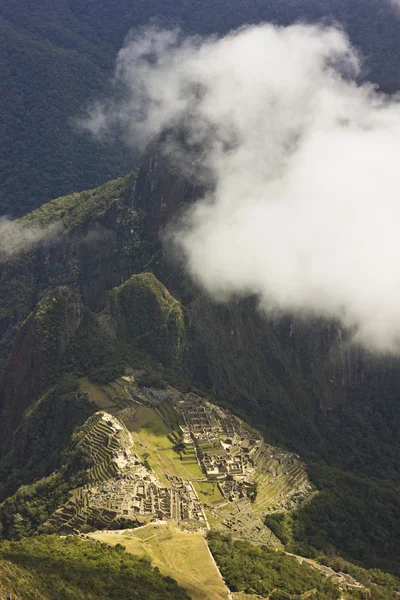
x=48, y=567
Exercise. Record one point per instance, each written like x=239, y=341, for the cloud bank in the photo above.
x=302, y=165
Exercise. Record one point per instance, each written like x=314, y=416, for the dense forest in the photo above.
x=58, y=55
x=259, y=570
x=351, y=515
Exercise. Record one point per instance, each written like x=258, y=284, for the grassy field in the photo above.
x=97, y=395
x=150, y=435
x=182, y=555
x=147, y=420
x=149, y=432
x=208, y=492
x=119, y=386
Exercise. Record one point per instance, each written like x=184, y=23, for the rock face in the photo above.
x=318, y=350
x=39, y=349
x=98, y=246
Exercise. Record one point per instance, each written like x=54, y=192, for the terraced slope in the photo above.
x=166, y=428
x=280, y=479
x=102, y=439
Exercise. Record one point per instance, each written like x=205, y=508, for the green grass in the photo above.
x=182, y=555
x=73, y=210
x=169, y=414
x=96, y=394
x=119, y=386
x=146, y=419
x=149, y=432
x=109, y=388
x=150, y=435
x=207, y=491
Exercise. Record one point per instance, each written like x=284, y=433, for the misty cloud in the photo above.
x=302, y=164
x=16, y=237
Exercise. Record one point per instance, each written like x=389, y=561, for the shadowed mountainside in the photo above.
x=124, y=303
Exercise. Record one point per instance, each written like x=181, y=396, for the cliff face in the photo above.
x=38, y=351
x=97, y=246
x=312, y=361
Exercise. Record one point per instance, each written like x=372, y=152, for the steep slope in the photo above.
x=70, y=569
x=115, y=231
x=39, y=350
x=302, y=380
x=52, y=64
x=142, y=312
x=97, y=246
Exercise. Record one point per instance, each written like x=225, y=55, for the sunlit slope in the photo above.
x=54, y=568
x=180, y=554
x=278, y=474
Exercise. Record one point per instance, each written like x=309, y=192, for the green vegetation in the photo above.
x=23, y=513
x=180, y=554
x=74, y=211
x=352, y=450
x=93, y=352
x=40, y=348
x=208, y=491
x=58, y=56
x=286, y=528
x=276, y=380
x=151, y=318
x=52, y=65
x=152, y=438
x=97, y=234
x=150, y=379
x=258, y=570
x=48, y=567
x=147, y=420
x=44, y=436
x=357, y=517
x=381, y=586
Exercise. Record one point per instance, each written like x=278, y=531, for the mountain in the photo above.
x=95, y=296
x=57, y=56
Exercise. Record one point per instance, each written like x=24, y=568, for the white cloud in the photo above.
x=17, y=237
x=303, y=165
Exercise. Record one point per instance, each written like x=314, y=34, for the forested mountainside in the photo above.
x=100, y=293
x=56, y=56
